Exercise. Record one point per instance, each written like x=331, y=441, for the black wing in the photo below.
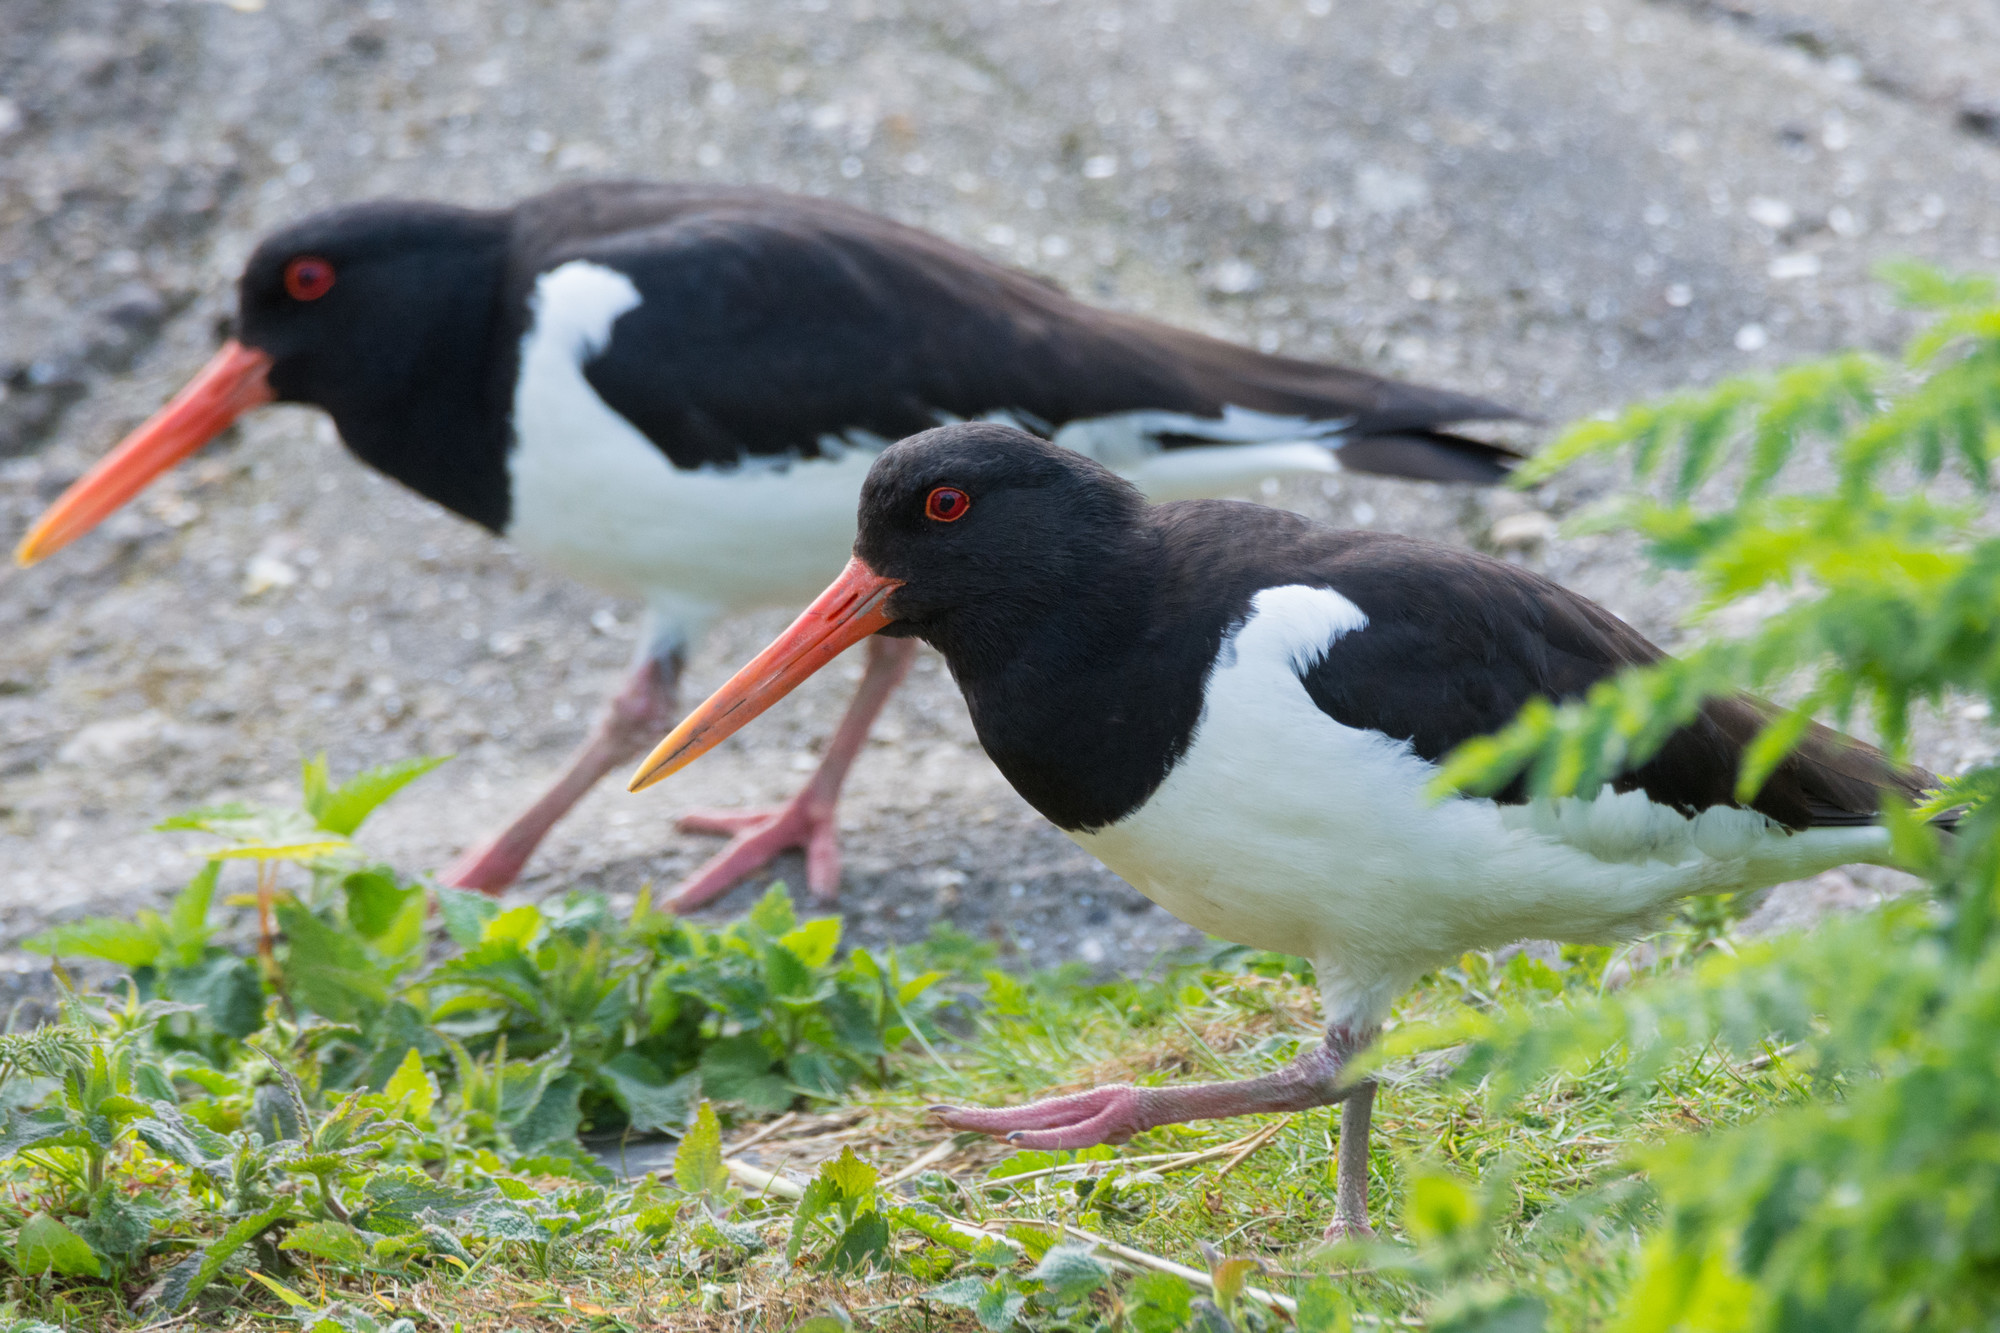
x=770, y=323
x=1457, y=642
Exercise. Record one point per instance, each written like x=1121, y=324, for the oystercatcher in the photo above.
x=1239, y=711
x=673, y=392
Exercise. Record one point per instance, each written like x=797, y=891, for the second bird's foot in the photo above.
x=759, y=837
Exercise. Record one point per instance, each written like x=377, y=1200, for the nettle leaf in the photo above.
x=854, y=1178
x=327, y=1240
x=187, y=919
x=129, y=943
x=229, y=991
x=864, y=1241
x=45, y=1245
x=187, y=1142
x=1071, y=1272
x=186, y=1279
x=395, y=1197
x=773, y=914
x=651, y=1101
x=996, y=1304
x=376, y=900
x=554, y=1118
x=50, y=1125
x=740, y=1069
x=1322, y=1308
x=517, y=926
x=412, y=1086
x=1163, y=1303
x=1000, y=1307
x=327, y=969
x=343, y=809
x=814, y=942
x=501, y=1220
x=465, y=913
x=698, y=1167
x=821, y=1194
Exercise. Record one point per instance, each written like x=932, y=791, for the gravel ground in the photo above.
x=1560, y=205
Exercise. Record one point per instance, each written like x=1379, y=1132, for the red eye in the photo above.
x=947, y=504
x=308, y=278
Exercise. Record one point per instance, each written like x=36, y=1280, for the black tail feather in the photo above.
x=1429, y=456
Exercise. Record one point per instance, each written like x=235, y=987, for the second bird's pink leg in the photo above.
x=808, y=820
x=635, y=719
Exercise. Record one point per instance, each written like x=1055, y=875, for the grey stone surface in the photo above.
x=1563, y=205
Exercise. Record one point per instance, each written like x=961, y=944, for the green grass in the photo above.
x=231, y=1154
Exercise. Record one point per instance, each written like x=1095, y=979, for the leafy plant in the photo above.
x=1870, y=1204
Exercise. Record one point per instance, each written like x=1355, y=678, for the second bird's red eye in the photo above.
x=947, y=504
x=308, y=278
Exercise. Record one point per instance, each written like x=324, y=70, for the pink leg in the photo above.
x=635, y=719
x=807, y=820
x=1114, y=1113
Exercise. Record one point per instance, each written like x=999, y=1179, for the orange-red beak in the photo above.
x=839, y=618
x=227, y=387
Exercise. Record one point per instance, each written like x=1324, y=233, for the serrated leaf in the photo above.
x=465, y=913
x=820, y=1195
x=1323, y=1308
x=698, y=1165
x=864, y=1240
x=652, y=1101
x=50, y=1125
x=186, y=1279
x=773, y=914
x=327, y=1240
x=376, y=900
x=999, y=1308
x=740, y=1069
x=343, y=809
x=127, y=943
x=1069, y=1272
x=45, y=1245
x=412, y=1086
x=517, y=926
x=852, y=1177
x=1162, y=1303
x=554, y=1117
x=813, y=943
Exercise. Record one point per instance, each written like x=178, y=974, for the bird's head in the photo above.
x=353, y=310
x=970, y=536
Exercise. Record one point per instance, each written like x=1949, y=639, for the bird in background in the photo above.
x=1241, y=713
x=673, y=392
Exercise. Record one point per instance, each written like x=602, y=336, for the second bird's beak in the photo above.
x=842, y=616
x=232, y=383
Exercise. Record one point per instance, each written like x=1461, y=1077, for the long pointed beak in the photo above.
x=839, y=618
x=232, y=383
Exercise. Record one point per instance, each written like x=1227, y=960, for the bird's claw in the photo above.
x=1110, y=1114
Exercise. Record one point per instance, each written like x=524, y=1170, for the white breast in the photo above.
x=597, y=499
x=1282, y=829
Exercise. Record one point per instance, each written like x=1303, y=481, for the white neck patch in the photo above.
x=1295, y=624
x=572, y=309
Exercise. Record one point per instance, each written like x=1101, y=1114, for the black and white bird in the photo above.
x=1240, y=711
x=673, y=392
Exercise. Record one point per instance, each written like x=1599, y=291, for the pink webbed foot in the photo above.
x=1110, y=1114
x=759, y=837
